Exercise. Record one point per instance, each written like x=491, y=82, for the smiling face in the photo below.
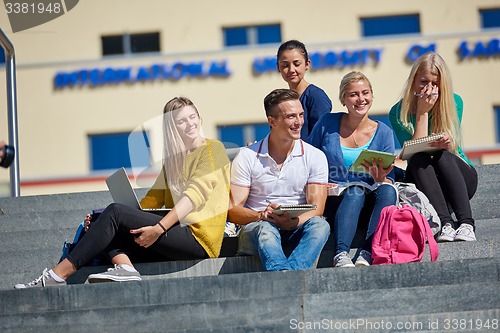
x=287, y=120
x=188, y=124
x=425, y=79
x=358, y=97
x=293, y=65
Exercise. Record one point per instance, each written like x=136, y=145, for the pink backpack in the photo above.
x=401, y=235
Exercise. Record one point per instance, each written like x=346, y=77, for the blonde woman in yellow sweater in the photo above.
x=196, y=170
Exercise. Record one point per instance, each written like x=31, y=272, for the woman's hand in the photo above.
x=86, y=222
x=377, y=170
x=427, y=98
x=443, y=143
x=146, y=236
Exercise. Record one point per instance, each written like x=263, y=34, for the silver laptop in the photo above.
x=122, y=192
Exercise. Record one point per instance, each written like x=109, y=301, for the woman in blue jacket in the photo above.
x=342, y=137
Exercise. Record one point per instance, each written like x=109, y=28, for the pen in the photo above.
x=432, y=94
x=269, y=202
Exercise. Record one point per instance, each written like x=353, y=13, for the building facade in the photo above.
x=92, y=83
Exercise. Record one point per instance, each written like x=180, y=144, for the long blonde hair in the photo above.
x=444, y=114
x=174, y=148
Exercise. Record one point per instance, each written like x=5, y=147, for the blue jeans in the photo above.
x=266, y=240
x=347, y=216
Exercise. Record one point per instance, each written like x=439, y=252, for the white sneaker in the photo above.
x=465, y=233
x=364, y=259
x=447, y=234
x=45, y=280
x=342, y=260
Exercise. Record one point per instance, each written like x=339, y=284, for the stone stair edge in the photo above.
x=479, y=249
x=317, y=276
x=304, y=303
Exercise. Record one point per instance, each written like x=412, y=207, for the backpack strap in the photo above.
x=424, y=226
x=433, y=246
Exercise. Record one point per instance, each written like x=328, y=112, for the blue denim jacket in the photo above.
x=325, y=136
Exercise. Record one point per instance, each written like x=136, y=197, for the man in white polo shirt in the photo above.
x=279, y=170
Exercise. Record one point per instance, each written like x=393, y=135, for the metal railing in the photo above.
x=10, y=66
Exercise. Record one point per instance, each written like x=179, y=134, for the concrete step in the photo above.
x=244, y=302
x=25, y=270
x=234, y=294
x=55, y=202
x=45, y=220
x=24, y=255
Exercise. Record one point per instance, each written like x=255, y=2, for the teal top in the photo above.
x=351, y=154
x=403, y=134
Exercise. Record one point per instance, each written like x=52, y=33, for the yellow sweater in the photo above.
x=207, y=170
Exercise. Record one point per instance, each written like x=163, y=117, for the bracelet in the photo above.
x=161, y=226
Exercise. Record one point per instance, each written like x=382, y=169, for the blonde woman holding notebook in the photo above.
x=342, y=137
x=194, y=182
x=447, y=176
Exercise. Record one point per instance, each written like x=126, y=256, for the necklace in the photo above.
x=353, y=139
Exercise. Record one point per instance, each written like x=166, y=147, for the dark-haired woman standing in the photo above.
x=293, y=62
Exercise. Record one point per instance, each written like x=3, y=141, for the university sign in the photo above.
x=479, y=49
x=324, y=60
x=320, y=61
x=157, y=72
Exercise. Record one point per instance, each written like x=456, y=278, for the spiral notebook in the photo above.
x=419, y=145
x=294, y=210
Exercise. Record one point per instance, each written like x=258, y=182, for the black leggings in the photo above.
x=110, y=235
x=448, y=181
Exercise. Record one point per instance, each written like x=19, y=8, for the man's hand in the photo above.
x=284, y=221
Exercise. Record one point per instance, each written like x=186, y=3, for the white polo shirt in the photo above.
x=254, y=168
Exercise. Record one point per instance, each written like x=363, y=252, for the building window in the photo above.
x=490, y=18
x=112, y=45
x=390, y=25
x=2, y=56
x=496, y=110
x=130, y=43
x=252, y=35
x=240, y=135
x=384, y=118
x=113, y=150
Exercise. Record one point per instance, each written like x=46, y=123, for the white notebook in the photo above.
x=411, y=147
x=122, y=192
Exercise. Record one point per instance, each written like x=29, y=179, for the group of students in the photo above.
x=308, y=150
